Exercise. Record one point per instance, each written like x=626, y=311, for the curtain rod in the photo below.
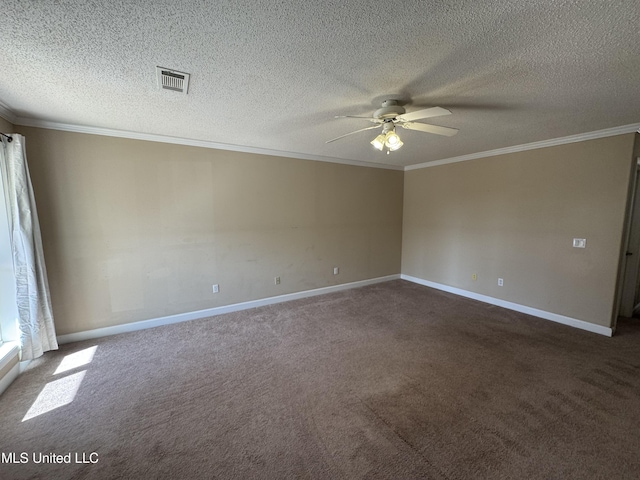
x=9, y=138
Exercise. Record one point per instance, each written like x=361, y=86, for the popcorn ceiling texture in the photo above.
x=274, y=74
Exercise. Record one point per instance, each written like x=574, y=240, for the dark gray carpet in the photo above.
x=389, y=381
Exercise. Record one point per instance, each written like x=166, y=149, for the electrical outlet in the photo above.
x=336, y=270
x=500, y=282
x=276, y=280
x=474, y=276
x=216, y=288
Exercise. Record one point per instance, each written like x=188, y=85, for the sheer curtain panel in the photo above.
x=35, y=318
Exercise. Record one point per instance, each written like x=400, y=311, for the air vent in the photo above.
x=172, y=80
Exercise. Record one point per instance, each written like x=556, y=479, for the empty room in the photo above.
x=341, y=240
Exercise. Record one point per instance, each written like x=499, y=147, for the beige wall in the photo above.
x=6, y=126
x=514, y=216
x=135, y=230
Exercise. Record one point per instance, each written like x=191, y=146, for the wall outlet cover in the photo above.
x=580, y=243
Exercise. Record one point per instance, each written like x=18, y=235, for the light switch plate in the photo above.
x=580, y=243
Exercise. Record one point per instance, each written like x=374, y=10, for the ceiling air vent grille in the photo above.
x=172, y=80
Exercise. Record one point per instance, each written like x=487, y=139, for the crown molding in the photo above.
x=609, y=132
x=151, y=137
x=7, y=114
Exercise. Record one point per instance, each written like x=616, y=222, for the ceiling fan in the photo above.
x=390, y=115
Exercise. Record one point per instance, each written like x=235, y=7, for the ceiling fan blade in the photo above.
x=371, y=119
x=425, y=113
x=423, y=127
x=351, y=133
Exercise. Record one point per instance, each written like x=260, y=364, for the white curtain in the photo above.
x=35, y=318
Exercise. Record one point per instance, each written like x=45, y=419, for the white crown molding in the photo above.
x=210, y=312
x=554, y=317
x=7, y=114
x=608, y=132
x=151, y=137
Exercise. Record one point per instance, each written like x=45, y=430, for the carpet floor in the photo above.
x=389, y=381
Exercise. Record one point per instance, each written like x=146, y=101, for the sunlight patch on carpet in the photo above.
x=75, y=360
x=56, y=394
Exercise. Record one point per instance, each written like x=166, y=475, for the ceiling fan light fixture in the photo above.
x=396, y=145
x=378, y=142
x=392, y=139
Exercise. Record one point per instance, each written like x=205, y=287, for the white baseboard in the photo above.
x=554, y=317
x=210, y=312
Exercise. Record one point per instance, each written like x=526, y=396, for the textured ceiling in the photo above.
x=272, y=74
